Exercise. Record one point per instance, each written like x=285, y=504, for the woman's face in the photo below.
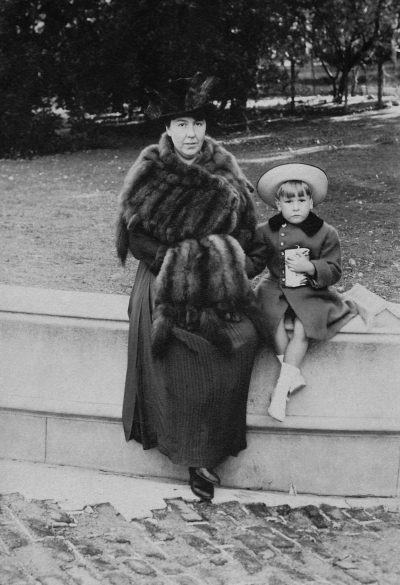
x=187, y=135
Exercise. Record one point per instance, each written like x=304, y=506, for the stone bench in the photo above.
x=63, y=361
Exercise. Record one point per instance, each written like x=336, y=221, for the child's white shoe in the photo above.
x=297, y=384
x=277, y=407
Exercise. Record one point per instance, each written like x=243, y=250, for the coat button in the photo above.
x=282, y=253
x=282, y=244
x=282, y=234
x=283, y=280
x=284, y=225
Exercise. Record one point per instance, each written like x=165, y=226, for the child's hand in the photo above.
x=299, y=263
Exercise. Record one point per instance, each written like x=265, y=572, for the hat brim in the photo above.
x=197, y=113
x=271, y=180
x=156, y=112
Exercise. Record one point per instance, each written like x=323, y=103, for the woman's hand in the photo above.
x=299, y=263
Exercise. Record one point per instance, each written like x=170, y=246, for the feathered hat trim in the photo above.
x=183, y=96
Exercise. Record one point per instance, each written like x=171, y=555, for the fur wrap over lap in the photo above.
x=204, y=213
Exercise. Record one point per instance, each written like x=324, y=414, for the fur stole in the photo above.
x=199, y=211
x=174, y=201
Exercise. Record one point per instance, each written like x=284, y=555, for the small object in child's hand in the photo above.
x=293, y=279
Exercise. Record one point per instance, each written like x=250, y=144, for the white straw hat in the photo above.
x=270, y=181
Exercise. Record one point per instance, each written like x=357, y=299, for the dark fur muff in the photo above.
x=216, y=292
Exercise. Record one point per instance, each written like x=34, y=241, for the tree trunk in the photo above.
x=238, y=107
x=338, y=93
x=394, y=58
x=333, y=79
x=292, y=86
x=334, y=89
x=342, y=91
x=354, y=81
x=313, y=75
x=346, y=89
x=380, y=81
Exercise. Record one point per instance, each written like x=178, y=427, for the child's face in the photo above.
x=295, y=208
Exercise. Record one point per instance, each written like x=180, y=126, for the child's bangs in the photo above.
x=291, y=189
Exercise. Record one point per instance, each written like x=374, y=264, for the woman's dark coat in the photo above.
x=191, y=401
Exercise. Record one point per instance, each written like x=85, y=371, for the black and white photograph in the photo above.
x=199, y=292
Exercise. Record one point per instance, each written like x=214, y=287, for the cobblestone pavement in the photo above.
x=197, y=544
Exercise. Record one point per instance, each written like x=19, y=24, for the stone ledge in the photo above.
x=255, y=422
x=62, y=380
x=63, y=303
x=64, y=320
x=343, y=424
x=112, y=307
x=74, y=362
x=57, y=407
x=316, y=462
x=62, y=364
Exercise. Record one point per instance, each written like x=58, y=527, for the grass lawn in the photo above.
x=58, y=212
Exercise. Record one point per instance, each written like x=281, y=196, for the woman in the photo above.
x=186, y=212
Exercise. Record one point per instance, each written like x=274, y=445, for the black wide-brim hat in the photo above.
x=271, y=180
x=182, y=97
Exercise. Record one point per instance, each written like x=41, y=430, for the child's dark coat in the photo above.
x=318, y=306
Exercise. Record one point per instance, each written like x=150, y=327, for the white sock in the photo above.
x=289, y=369
x=298, y=383
x=277, y=407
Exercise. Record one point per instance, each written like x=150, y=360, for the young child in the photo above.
x=302, y=254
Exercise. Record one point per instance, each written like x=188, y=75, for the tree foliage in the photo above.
x=49, y=55
x=288, y=38
x=344, y=33
x=21, y=72
x=183, y=37
x=94, y=56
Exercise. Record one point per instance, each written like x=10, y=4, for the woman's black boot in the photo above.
x=201, y=488
x=208, y=474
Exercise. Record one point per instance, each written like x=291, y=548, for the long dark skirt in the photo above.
x=191, y=404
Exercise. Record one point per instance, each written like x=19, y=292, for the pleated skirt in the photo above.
x=191, y=404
